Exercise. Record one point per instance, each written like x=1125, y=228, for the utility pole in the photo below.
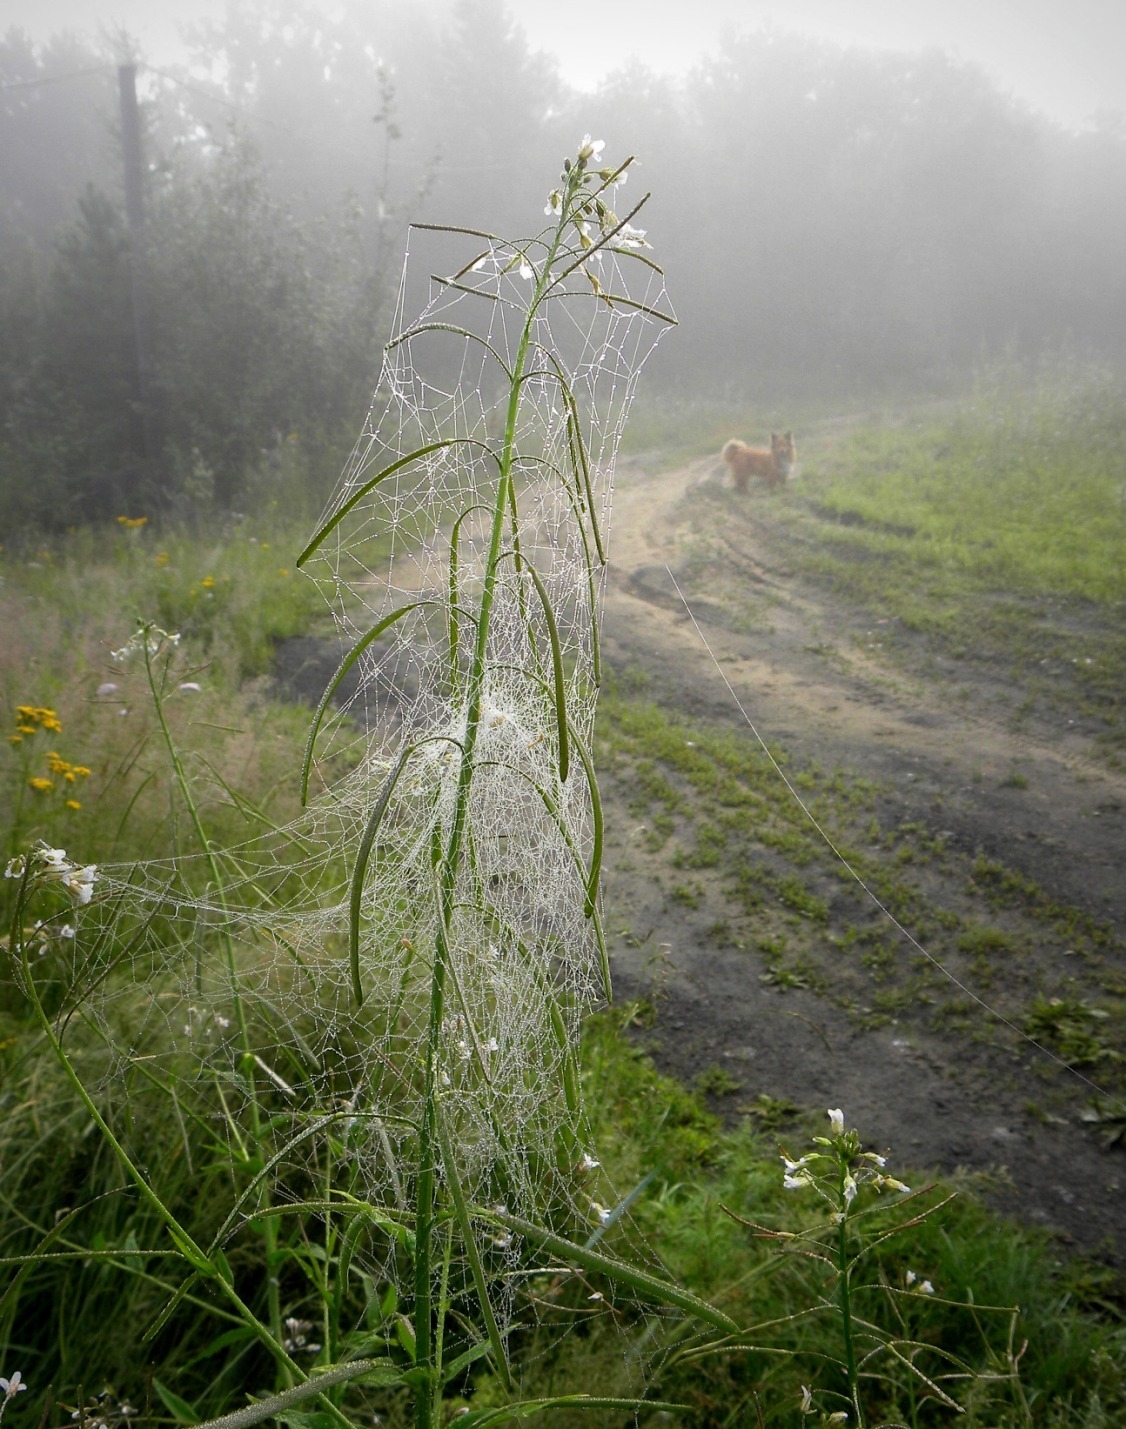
x=135, y=217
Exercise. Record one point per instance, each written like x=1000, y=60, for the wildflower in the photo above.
x=73, y=804
x=629, y=237
x=590, y=149
x=554, y=204
x=849, y=1189
x=297, y=1340
x=191, y=687
x=806, y=1400
x=891, y=1183
x=797, y=1183
x=31, y=718
x=588, y=1163
x=145, y=637
x=836, y=1121
x=161, y=558
x=40, y=784
x=13, y=1386
x=207, y=582
x=527, y=272
x=926, y=1288
x=132, y=523
x=78, y=881
x=109, y=688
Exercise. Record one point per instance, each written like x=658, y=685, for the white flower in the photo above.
x=910, y=1277
x=926, y=1288
x=12, y=1386
x=191, y=687
x=554, y=204
x=588, y=1163
x=792, y=1167
x=629, y=237
x=806, y=1400
x=527, y=272
x=109, y=688
x=590, y=149
x=849, y=1189
x=79, y=883
x=891, y=1183
x=836, y=1121
x=15, y=866
x=796, y=1183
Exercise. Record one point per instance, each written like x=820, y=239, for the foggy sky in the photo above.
x=1065, y=57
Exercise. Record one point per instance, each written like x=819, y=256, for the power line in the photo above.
x=55, y=78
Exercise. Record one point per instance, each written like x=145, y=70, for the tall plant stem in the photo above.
x=846, y=1319
x=270, y=1228
x=428, y=1393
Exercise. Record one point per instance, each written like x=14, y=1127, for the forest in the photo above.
x=834, y=223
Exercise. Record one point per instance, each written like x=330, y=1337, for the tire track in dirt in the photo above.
x=812, y=677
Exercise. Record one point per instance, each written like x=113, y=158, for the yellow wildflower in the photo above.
x=132, y=523
x=73, y=804
x=161, y=558
x=80, y=770
x=207, y=582
x=40, y=784
x=15, y=739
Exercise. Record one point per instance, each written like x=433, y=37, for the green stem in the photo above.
x=846, y=1309
x=427, y=1394
x=270, y=1229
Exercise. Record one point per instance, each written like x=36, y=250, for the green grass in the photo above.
x=992, y=529
x=78, y=1317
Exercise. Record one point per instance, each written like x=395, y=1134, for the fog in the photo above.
x=836, y=212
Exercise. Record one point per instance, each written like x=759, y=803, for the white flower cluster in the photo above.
x=842, y=1152
x=149, y=637
x=52, y=865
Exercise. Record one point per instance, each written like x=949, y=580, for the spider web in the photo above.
x=237, y=991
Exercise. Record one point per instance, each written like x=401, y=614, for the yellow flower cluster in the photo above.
x=132, y=523
x=30, y=719
x=70, y=772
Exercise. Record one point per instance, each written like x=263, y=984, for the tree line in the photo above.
x=829, y=219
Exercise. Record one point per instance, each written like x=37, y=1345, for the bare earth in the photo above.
x=813, y=679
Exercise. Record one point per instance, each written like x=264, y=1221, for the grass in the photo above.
x=89, y=1265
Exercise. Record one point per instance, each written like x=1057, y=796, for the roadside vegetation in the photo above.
x=983, y=1311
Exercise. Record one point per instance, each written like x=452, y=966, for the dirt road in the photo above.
x=939, y=738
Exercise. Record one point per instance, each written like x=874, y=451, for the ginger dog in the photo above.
x=773, y=463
